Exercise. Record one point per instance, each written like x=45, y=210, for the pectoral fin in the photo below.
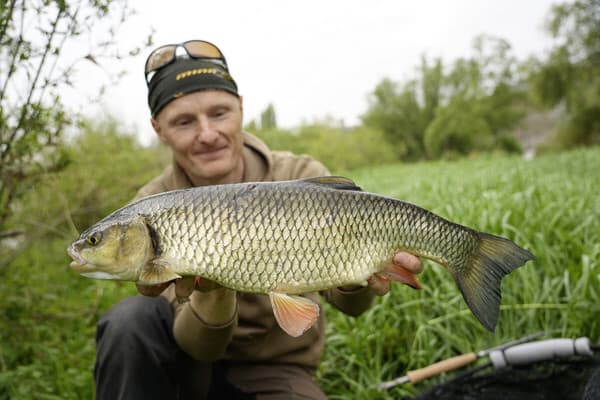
x=155, y=272
x=294, y=314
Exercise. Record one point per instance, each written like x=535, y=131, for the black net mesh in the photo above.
x=577, y=378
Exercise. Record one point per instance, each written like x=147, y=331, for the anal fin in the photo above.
x=294, y=314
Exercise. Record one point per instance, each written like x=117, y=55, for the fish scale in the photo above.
x=302, y=236
x=285, y=215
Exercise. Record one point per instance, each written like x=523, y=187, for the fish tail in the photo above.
x=479, y=280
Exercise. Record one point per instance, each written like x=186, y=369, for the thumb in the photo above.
x=184, y=287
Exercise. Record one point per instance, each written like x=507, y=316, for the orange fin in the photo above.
x=394, y=272
x=294, y=314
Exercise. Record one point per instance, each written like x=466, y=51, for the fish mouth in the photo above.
x=90, y=270
x=79, y=263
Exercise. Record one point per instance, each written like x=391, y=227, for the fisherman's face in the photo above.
x=204, y=131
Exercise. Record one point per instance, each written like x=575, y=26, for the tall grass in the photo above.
x=550, y=205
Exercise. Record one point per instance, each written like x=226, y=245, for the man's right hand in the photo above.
x=186, y=285
x=152, y=290
x=214, y=303
x=183, y=287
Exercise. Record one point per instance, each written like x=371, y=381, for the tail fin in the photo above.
x=479, y=281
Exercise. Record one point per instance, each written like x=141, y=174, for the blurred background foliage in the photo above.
x=487, y=102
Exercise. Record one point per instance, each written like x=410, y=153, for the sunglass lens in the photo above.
x=160, y=57
x=198, y=48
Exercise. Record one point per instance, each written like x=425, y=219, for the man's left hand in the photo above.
x=411, y=263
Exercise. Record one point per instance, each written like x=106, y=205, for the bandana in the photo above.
x=186, y=76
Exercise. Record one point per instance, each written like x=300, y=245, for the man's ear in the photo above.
x=241, y=103
x=157, y=130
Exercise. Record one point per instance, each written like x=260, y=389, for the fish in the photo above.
x=288, y=238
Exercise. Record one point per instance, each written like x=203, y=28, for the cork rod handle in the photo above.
x=441, y=366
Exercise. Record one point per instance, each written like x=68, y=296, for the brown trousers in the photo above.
x=137, y=358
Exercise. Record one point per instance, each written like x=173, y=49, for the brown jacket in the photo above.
x=253, y=335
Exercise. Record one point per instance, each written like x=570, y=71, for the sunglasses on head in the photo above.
x=197, y=49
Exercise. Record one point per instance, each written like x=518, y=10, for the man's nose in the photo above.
x=206, y=132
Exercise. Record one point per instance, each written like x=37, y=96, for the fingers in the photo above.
x=379, y=284
x=184, y=287
x=152, y=290
x=403, y=266
x=205, y=285
x=408, y=261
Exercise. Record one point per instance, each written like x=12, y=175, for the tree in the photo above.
x=490, y=80
x=33, y=70
x=268, y=118
x=571, y=73
x=402, y=112
x=458, y=129
x=107, y=168
x=478, y=95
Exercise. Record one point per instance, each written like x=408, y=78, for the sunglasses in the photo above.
x=165, y=55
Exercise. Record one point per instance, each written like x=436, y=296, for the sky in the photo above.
x=314, y=59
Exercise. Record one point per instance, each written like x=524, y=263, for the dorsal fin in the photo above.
x=334, y=182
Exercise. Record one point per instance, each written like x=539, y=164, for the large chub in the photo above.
x=479, y=280
x=289, y=238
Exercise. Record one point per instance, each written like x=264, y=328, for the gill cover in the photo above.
x=116, y=250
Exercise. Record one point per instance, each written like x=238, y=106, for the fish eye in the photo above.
x=94, y=238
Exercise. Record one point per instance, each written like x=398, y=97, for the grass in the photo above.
x=549, y=205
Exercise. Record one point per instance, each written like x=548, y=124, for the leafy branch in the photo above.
x=34, y=68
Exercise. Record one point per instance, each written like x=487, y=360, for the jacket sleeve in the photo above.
x=202, y=341
x=352, y=302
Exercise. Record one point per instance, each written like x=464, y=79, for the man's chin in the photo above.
x=213, y=172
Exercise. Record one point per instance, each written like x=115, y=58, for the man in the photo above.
x=220, y=344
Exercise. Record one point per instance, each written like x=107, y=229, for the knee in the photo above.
x=135, y=316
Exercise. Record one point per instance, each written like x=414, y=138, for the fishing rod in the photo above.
x=517, y=352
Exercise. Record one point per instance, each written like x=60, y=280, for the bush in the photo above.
x=336, y=147
x=457, y=129
x=49, y=313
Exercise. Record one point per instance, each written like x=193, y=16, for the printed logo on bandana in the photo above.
x=196, y=71
x=200, y=71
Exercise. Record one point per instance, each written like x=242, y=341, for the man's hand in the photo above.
x=152, y=290
x=186, y=285
x=381, y=285
x=183, y=287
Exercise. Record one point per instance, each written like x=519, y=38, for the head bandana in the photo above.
x=184, y=76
